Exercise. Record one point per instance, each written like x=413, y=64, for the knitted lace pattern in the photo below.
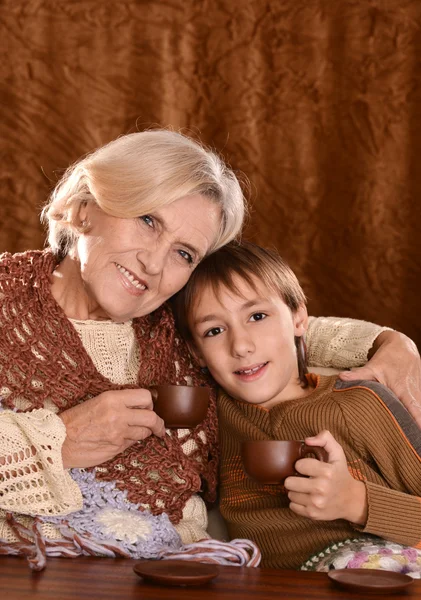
x=43, y=359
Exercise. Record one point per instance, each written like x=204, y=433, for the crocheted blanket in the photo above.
x=109, y=525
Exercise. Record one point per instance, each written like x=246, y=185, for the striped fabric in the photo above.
x=382, y=445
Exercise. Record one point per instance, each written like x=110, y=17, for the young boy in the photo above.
x=243, y=313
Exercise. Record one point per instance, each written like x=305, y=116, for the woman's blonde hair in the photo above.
x=137, y=174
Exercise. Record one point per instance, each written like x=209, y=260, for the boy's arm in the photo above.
x=393, y=358
x=382, y=497
x=393, y=441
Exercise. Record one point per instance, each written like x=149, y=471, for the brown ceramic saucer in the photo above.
x=176, y=572
x=370, y=580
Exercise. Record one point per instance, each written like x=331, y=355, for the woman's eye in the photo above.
x=186, y=255
x=258, y=317
x=214, y=331
x=148, y=220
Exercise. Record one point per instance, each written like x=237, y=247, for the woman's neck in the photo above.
x=69, y=291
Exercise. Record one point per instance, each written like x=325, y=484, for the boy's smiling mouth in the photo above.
x=252, y=372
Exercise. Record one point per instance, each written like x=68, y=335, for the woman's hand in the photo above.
x=330, y=492
x=104, y=426
x=394, y=362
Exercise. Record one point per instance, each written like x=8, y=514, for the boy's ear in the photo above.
x=195, y=352
x=300, y=319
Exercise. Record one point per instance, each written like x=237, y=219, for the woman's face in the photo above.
x=129, y=267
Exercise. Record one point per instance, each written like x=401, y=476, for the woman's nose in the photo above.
x=242, y=344
x=153, y=259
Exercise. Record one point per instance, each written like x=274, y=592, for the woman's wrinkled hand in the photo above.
x=329, y=491
x=395, y=362
x=102, y=427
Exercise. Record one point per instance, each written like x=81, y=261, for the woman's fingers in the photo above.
x=141, y=419
x=137, y=434
x=396, y=364
x=102, y=427
x=139, y=398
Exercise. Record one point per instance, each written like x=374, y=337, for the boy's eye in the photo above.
x=186, y=255
x=214, y=331
x=258, y=316
x=148, y=220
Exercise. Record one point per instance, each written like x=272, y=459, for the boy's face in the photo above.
x=247, y=342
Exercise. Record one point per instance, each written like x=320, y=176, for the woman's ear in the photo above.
x=83, y=211
x=300, y=320
x=78, y=215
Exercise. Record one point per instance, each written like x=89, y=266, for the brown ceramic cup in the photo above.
x=180, y=406
x=272, y=461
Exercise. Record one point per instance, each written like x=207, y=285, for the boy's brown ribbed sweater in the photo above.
x=383, y=448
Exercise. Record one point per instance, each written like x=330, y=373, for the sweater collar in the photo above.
x=322, y=384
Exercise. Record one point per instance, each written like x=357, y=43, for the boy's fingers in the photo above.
x=311, y=467
x=297, y=498
x=298, y=509
x=299, y=484
x=326, y=440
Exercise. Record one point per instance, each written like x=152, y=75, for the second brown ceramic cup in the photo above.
x=272, y=461
x=180, y=406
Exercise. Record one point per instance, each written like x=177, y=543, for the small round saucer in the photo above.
x=176, y=572
x=370, y=580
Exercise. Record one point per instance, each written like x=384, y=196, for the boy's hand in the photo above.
x=330, y=492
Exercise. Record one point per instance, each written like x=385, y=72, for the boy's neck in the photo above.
x=293, y=391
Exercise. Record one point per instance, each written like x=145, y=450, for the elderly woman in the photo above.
x=86, y=466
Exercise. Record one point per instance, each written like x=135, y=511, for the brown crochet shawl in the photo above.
x=42, y=357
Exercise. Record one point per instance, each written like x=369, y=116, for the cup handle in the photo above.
x=320, y=452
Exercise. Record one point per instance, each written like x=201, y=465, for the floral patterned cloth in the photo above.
x=363, y=553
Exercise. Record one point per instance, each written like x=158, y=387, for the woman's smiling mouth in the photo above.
x=130, y=281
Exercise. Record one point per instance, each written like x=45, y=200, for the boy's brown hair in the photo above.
x=249, y=262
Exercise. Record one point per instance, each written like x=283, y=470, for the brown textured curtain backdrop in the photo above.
x=317, y=101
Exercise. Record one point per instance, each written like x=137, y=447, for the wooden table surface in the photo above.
x=114, y=579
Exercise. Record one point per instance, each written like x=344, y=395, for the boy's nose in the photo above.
x=242, y=344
